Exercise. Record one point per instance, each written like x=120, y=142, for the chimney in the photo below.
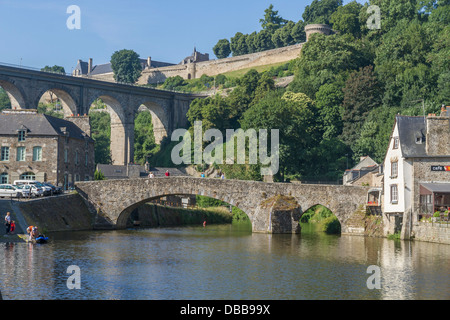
x=438, y=134
x=90, y=65
x=149, y=62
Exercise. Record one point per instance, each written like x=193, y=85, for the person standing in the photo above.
x=8, y=222
x=167, y=173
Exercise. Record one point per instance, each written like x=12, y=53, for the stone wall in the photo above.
x=215, y=67
x=432, y=232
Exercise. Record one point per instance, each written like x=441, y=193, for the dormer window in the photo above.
x=21, y=134
x=420, y=138
x=396, y=142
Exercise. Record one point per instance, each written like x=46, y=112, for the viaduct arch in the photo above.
x=26, y=87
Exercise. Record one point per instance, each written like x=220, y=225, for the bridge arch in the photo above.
x=160, y=119
x=69, y=106
x=321, y=210
x=15, y=95
x=125, y=213
x=118, y=137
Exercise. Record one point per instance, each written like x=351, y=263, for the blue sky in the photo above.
x=34, y=33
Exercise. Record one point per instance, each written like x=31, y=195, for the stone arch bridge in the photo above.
x=114, y=200
x=25, y=88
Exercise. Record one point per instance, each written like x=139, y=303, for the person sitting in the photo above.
x=33, y=233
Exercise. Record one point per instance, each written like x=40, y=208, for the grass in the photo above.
x=241, y=72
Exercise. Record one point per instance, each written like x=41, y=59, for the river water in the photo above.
x=222, y=262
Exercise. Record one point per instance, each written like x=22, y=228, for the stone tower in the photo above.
x=317, y=28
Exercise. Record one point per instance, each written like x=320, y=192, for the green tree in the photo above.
x=55, y=69
x=144, y=139
x=222, y=49
x=263, y=40
x=5, y=103
x=320, y=11
x=327, y=59
x=329, y=99
x=126, y=66
x=346, y=19
x=362, y=93
x=239, y=44
x=98, y=175
x=101, y=133
x=272, y=20
x=292, y=115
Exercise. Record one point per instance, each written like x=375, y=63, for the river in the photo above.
x=222, y=262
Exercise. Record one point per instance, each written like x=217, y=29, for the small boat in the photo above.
x=39, y=239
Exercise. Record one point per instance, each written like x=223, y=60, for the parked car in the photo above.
x=55, y=189
x=35, y=190
x=47, y=190
x=9, y=190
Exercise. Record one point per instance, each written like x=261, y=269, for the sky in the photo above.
x=35, y=33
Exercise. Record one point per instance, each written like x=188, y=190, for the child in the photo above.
x=13, y=227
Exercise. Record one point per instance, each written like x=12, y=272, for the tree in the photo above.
x=126, y=66
x=239, y=44
x=222, y=49
x=55, y=69
x=5, y=103
x=263, y=40
x=320, y=11
x=362, y=93
x=292, y=115
x=144, y=139
x=346, y=19
x=327, y=59
x=271, y=21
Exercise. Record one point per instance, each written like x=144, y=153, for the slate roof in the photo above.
x=408, y=129
x=437, y=187
x=37, y=124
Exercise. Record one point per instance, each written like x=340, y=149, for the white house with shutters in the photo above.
x=416, y=179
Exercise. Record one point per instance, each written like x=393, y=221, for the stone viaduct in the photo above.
x=113, y=200
x=25, y=87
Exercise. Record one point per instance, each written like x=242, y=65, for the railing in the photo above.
x=442, y=221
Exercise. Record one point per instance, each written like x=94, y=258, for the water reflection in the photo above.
x=222, y=262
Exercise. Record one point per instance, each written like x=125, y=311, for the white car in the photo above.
x=9, y=190
x=32, y=189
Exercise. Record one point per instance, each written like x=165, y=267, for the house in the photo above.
x=84, y=69
x=416, y=170
x=40, y=147
x=366, y=173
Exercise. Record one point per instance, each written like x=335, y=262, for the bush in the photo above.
x=331, y=225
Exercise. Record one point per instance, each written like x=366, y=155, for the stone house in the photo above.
x=416, y=170
x=40, y=147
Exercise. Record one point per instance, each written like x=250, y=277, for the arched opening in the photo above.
x=144, y=139
x=183, y=210
x=10, y=96
x=102, y=109
x=159, y=120
x=57, y=102
x=319, y=218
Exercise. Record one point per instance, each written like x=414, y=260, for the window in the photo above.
x=37, y=154
x=86, y=159
x=394, y=169
x=395, y=143
x=28, y=176
x=21, y=135
x=4, y=178
x=394, y=194
x=66, y=156
x=4, y=154
x=20, y=154
x=77, y=177
x=76, y=157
